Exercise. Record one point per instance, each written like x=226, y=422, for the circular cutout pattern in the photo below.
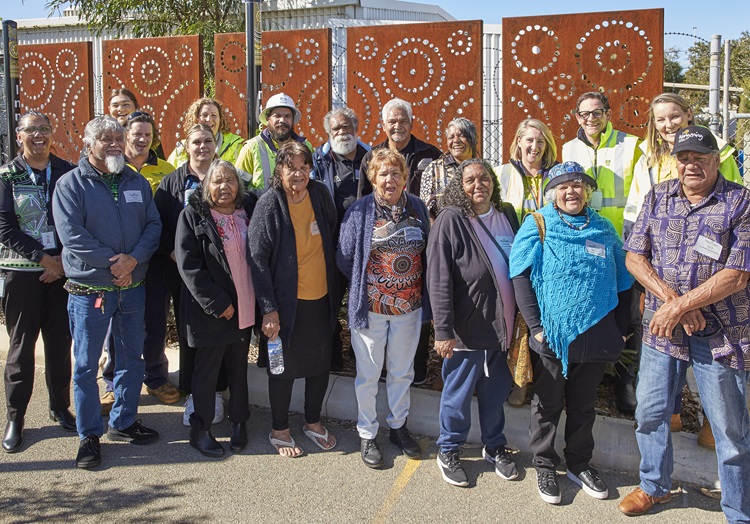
x=232, y=57
x=460, y=43
x=66, y=63
x=151, y=71
x=415, y=68
x=366, y=48
x=307, y=51
x=535, y=49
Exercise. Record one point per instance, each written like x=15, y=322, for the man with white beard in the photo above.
x=109, y=228
x=337, y=164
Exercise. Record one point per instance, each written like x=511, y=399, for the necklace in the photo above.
x=572, y=226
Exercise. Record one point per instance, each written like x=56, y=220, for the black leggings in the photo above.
x=280, y=396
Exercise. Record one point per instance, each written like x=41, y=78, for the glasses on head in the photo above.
x=596, y=113
x=44, y=129
x=141, y=114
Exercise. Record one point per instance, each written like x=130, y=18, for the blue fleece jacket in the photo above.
x=93, y=227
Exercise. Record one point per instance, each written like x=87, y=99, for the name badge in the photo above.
x=48, y=240
x=597, y=200
x=412, y=234
x=596, y=249
x=133, y=196
x=314, y=228
x=504, y=242
x=2, y=285
x=706, y=246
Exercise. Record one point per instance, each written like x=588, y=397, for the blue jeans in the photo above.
x=88, y=326
x=722, y=392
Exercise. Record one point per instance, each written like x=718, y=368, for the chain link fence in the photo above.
x=739, y=137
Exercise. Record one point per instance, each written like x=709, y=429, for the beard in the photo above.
x=343, y=144
x=281, y=135
x=115, y=163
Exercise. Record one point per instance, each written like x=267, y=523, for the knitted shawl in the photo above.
x=575, y=288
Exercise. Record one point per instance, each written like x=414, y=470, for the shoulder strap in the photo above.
x=540, y=225
x=481, y=223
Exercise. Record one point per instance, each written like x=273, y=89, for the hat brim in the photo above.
x=696, y=148
x=264, y=114
x=567, y=177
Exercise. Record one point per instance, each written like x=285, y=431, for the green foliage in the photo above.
x=672, y=68
x=162, y=18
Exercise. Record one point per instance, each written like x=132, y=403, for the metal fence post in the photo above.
x=10, y=73
x=714, y=83
x=725, y=114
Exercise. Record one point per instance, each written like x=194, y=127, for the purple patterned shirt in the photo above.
x=668, y=232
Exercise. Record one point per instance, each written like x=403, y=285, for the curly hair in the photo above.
x=454, y=194
x=191, y=115
x=285, y=157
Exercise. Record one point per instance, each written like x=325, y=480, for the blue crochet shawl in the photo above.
x=575, y=289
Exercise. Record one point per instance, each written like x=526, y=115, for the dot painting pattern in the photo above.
x=164, y=73
x=231, y=79
x=56, y=80
x=437, y=67
x=548, y=62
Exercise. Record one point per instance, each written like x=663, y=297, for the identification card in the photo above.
x=2, y=285
x=133, y=196
x=596, y=249
x=597, y=200
x=314, y=230
x=706, y=246
x=412, y=234
x=48, y=240
x=504, y=242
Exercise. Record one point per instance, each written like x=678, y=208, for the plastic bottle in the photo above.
x=275, y=356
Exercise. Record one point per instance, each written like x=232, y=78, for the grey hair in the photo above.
x=28, y=115
x=346, y=112
x=549, y=195
x=396, y=103
x=467, y=128
x=215, y=166
x=97, y=127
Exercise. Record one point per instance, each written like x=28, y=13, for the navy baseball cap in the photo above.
x=695, y=138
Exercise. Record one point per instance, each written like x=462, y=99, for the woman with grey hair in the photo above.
x=473, y=308
x=292, y=250
x=572, y=287
x=461, y=137
x=218, y=303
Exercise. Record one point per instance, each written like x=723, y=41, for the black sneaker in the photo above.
x=89, y=452
x=135, y=434
x=504, y=465
x=420, y=375
x=451, y=469
x=546, y=483
x=590, y=482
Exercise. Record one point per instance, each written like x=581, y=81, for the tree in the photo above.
x=163, y=18
x=672, y=68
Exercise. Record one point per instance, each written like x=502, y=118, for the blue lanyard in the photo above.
x=45, y=183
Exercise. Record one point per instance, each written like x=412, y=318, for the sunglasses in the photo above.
x=142, y=115
x=44, y=129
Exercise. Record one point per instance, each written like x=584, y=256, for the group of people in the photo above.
x=268, y=234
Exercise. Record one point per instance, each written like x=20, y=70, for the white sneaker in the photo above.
x=189, y=408
x=218, y=409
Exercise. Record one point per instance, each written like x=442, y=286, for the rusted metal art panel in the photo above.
x=437, y=67
x=165, y=73
x=298, y=63
x=230, y=69
x=549, y=61
x=56, y=80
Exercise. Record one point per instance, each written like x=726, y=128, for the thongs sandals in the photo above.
x=312, y=435
x=278, y=444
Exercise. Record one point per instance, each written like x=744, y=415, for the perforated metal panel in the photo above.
x=437, y=67
x=231, y=79
x=56, y=80
x=165, y=73
x=548, y=62
x=298, y=63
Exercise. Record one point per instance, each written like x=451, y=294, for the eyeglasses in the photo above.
x=596, y=113
x=44, y=129
x=141, y=114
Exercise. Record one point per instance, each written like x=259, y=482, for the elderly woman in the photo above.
x=382, y=253
x=171, y=198
x=209, y=112
x=218, y=307
x=32, y=278
x=473, y=308
x=568, y=270
x=292, y=250
x=461, y=137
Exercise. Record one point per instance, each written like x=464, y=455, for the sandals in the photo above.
x=312, y=435
x=278, y=444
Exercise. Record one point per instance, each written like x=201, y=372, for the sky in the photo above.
x=728, y=19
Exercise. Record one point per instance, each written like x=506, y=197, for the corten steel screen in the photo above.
x=56, y=80
x=437, y=67
x=549, y=61
x=298, y=63
x=230, y=70
x=165, y=73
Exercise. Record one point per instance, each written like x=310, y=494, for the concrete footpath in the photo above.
x=170, y=482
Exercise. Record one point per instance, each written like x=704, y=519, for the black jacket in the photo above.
x=170, y=201
x=208, y=288
x=464, y=292
x=273, y=252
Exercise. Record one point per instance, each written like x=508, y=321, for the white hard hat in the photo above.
x=279, y=100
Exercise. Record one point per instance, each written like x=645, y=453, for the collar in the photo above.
x=603, y=139
x=718, y=192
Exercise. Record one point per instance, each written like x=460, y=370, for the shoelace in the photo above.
x=546, y=478
x=453, y=461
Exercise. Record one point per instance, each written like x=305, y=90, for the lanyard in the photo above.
x=44, y=182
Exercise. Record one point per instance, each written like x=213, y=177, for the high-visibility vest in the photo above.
x=518, y=190
x=257, y=159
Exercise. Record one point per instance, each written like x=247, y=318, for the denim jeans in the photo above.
x=722, y=392
x=400, y=333
x=88, y=325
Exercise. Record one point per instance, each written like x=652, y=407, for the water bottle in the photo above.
x=275, y=356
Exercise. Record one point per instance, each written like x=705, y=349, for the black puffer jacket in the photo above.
x=208, y=288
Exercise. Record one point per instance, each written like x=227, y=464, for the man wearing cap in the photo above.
x=258, y=155
x=337, y=163
x=690, y=249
